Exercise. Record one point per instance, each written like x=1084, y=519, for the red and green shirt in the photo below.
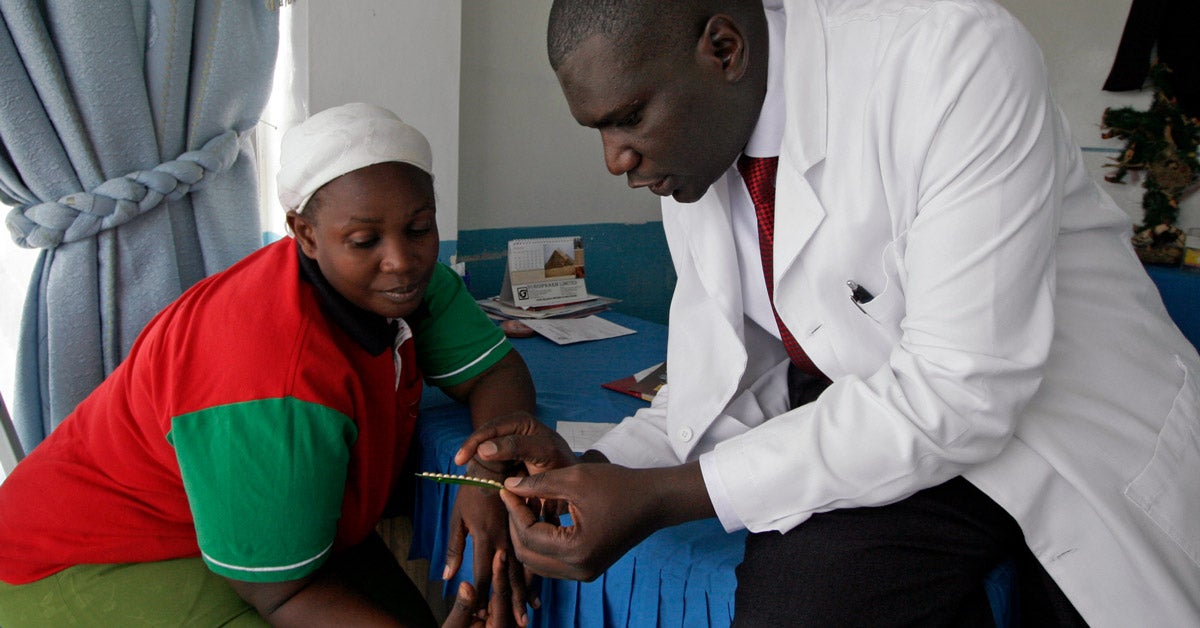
x=260, y=421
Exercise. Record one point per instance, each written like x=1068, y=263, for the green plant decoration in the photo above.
x=1161, y=141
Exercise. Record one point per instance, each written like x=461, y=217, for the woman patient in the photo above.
x=232, y=469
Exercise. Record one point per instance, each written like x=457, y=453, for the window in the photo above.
x=16, y=267
x=286, y=107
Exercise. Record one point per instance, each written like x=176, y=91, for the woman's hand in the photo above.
x=514, y=444
x=463, y=613
x=478, y=512
x=504, y=388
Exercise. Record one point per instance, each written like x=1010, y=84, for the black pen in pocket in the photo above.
x=859, y=295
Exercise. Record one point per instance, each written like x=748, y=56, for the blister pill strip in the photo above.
x=447, y=478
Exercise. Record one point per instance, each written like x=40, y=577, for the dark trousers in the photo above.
x=371, y=569
x=921, y=561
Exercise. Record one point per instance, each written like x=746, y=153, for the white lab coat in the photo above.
x=1013, y=339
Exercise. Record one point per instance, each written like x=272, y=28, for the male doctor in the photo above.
x=1002, y=378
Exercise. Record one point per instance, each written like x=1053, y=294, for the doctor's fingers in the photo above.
x=563, y=484
x=514, y=423
x=542, y=547
x=540, y=452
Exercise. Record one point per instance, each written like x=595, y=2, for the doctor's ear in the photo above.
x=723, y=47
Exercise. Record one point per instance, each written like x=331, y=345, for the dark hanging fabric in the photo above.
x=1174, y=27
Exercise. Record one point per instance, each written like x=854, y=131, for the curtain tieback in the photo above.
x=115, y=202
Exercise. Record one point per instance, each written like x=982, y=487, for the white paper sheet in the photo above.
x=565, y=331
x=581, y=435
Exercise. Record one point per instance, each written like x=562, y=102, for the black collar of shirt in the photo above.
x=372, y=332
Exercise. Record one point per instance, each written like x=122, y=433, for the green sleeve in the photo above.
x=265, y=481
x=455, y=340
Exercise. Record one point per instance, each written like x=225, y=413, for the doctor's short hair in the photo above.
x=651, y=27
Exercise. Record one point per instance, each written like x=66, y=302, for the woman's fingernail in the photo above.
x=512, y=482
x=488, y=448
x=446, y=572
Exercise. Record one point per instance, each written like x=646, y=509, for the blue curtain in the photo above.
x=124, y=129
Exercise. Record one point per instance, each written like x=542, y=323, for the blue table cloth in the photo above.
x=1180, y=291
x=679, y=576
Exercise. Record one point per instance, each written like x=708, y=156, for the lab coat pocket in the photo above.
x=881, y=284
x=1166, y=489
x=885, y=308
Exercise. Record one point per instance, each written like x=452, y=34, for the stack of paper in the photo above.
x=500, y=310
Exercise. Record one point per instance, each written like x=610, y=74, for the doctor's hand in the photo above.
x=516, y=444
x=612, y=509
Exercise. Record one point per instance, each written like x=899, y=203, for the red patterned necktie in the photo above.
x=759, y=174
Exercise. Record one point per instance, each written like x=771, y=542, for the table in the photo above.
x=1180, y=291
x=679, y=576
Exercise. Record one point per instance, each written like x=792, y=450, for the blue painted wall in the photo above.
x=447, y=249
x=631, y=262
x=623, y=261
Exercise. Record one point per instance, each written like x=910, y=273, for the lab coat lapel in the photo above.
x=706, y=348
x=710, y=239
x=709, y=369
x=798, y=211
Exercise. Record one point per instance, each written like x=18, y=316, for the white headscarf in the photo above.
x=339, y=140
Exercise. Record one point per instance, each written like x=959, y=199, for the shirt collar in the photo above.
x=372, y=332
x=768, y=131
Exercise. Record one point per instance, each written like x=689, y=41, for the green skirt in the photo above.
x=181, y=592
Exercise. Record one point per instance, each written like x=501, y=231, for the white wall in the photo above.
x=525, y=161
x=473, y=75
x=1079, y=40
x=401, y=54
